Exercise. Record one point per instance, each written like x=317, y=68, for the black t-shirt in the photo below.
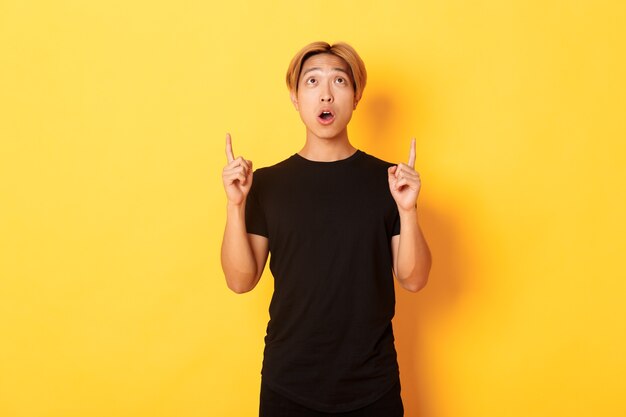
x=329, y=342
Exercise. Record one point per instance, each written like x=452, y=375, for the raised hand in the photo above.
x=404, y=182
x=237, y=175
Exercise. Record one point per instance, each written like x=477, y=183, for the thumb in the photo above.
x=391, y=174
x=251, y=172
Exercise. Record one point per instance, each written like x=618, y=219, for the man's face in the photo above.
x=325, y=97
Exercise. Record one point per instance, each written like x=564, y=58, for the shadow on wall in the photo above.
x=417, y=312
x=387, y=121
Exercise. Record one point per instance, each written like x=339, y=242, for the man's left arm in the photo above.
x=411, y=255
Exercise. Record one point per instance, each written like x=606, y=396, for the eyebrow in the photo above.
x=318, y=68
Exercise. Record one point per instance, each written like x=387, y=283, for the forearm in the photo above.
x=413, y=259
x=238, y=262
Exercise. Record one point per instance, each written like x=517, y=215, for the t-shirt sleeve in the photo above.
x=396, y=224
x=395, y=228
x=255, y=217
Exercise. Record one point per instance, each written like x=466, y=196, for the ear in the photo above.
x=294, y=99
x=356, y=101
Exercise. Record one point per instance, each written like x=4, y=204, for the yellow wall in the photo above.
x=112, y=123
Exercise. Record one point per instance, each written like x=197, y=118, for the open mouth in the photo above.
x=326, y=117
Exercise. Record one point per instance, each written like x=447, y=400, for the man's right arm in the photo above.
x=243, y=254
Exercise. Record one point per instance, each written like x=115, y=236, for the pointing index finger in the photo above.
x=412, y=154
x=229, y=149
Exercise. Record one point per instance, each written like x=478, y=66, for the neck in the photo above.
x=327, y=149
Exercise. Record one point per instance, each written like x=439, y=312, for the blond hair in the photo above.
x=340, y=49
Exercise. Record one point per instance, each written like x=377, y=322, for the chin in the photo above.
x=329, y=133
x=328, y=136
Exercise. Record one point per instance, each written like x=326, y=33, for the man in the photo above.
x=339, y=223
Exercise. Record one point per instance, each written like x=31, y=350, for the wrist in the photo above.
x=408, y=216
x=411, y=211
x=236, y=207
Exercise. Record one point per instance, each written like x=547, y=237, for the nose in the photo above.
x=326, y=96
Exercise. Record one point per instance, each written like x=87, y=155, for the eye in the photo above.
x=340, y=80
x=311, y=80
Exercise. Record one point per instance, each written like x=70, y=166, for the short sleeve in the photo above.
x=255, y=217
x=395, y=228
x=396, y=224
